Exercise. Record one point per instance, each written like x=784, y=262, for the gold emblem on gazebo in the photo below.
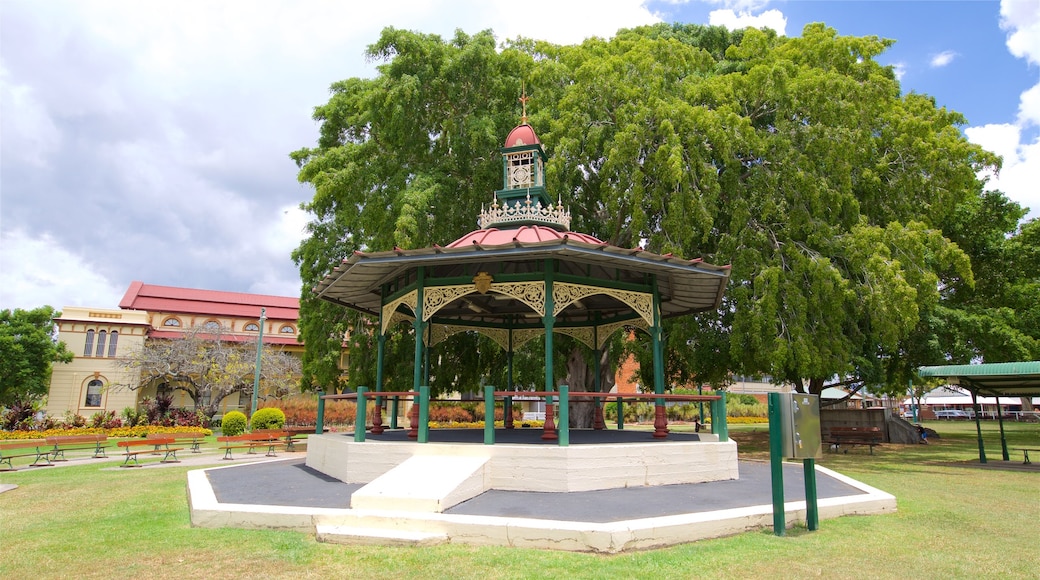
x=483, y=282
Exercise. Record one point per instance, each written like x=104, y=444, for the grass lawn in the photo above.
x=953, y=520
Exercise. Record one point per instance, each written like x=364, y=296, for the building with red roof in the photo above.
x=100, y=337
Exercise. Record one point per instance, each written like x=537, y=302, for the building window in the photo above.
x=89, y=348
x=211, y=325
x=93, y=394
x=113, y=338
x=171, y=321
x=287, y=329
x=252, y=327
x=101, y=344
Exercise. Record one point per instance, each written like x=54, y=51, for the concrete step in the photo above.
x=343, y=534
x=425, y=484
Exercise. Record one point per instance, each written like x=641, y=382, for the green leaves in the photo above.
x=27, y=353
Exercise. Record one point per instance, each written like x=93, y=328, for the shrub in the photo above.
x=234, y=423
x=103, y=420
x=268, y=418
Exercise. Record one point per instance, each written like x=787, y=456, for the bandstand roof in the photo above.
x=685, y=286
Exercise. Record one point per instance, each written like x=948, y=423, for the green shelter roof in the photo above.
x=1011, y=379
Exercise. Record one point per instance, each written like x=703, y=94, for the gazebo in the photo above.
x=520, y=277
x=524, y=275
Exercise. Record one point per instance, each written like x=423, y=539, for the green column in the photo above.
x=360, y=418
x=776, y=464
x=620, y=413
x=563, y=423
x=549, y=320
x=419, y=327
x=380, y=348
x=657, y=335
x=489, y=415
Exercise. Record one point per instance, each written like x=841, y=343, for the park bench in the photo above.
x=1025, y=453
x=251, y=441
x=37, y=448
x=135, y=447
x=288, y=434
x=90, y=442
x=191, y=439
x=847, y=437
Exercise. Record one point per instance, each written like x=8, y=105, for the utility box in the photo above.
x=800, y=426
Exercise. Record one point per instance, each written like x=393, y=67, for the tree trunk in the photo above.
x=815, y=386
x=582, y=412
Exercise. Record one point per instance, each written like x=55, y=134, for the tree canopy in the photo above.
x=845, y=207
x=28, y=350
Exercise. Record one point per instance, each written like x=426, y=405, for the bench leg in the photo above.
x=44, y=456
x=126, y=462
x=100, y=452
x=227, y=454
x=58, y=455
x=195, y=447
x=171, y=453
x=1026, y=454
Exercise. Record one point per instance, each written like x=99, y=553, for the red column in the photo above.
x=377, y=418
x=413, y=418
x=597, y=421
x=549, y=431
x=660, y=422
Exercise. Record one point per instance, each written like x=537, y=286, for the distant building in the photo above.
x=99, y=337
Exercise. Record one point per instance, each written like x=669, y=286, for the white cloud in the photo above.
x=1020, y=173
x=36, y=271
x=1022, y=18
x=733, y=20
x=943, y=58
x=899, y=68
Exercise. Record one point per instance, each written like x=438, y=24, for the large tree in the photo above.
x=28, y=351
x=796, y=160
x=209, y=368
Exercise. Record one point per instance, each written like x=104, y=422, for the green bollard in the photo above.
x=489, y=415
x=776, y=464
x=360, y=418
x=424, y=414
x=563, y=426
x=319, y=425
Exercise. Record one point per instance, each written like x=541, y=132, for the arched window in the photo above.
x=89, y=348
x=101, y=344
x=211, y=325
x=113, y=338
x=252, y=327
x=93, y=394
x=287, y=329
x=171, y=321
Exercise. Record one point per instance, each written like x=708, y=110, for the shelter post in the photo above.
x=656, y=334
x=377, y=418
x=1003, y=439
x=978, y=426
x=719, y=426
x=507, y=403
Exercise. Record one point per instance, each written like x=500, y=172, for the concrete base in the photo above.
x=397, y=527
x=517, y=467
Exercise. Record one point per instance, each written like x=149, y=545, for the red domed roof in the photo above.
x=528, y=234
x=521, y=135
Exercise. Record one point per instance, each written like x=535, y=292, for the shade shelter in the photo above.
x=523, y=276
x=1013, y=379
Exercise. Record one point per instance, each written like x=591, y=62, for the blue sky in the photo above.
x=148, y=139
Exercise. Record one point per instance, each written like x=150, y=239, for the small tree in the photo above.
x=28, y=349
x=208, y=367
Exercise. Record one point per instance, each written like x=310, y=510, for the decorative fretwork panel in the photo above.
x=565, y=294
x=410, y=300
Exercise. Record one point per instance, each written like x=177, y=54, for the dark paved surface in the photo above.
x=291, y=483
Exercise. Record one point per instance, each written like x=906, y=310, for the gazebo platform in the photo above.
x=455, y=465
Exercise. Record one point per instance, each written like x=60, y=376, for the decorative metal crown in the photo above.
x=524, y=212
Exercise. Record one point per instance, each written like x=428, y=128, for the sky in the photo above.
x=149, y=139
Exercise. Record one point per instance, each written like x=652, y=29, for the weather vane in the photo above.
x=523, y=103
